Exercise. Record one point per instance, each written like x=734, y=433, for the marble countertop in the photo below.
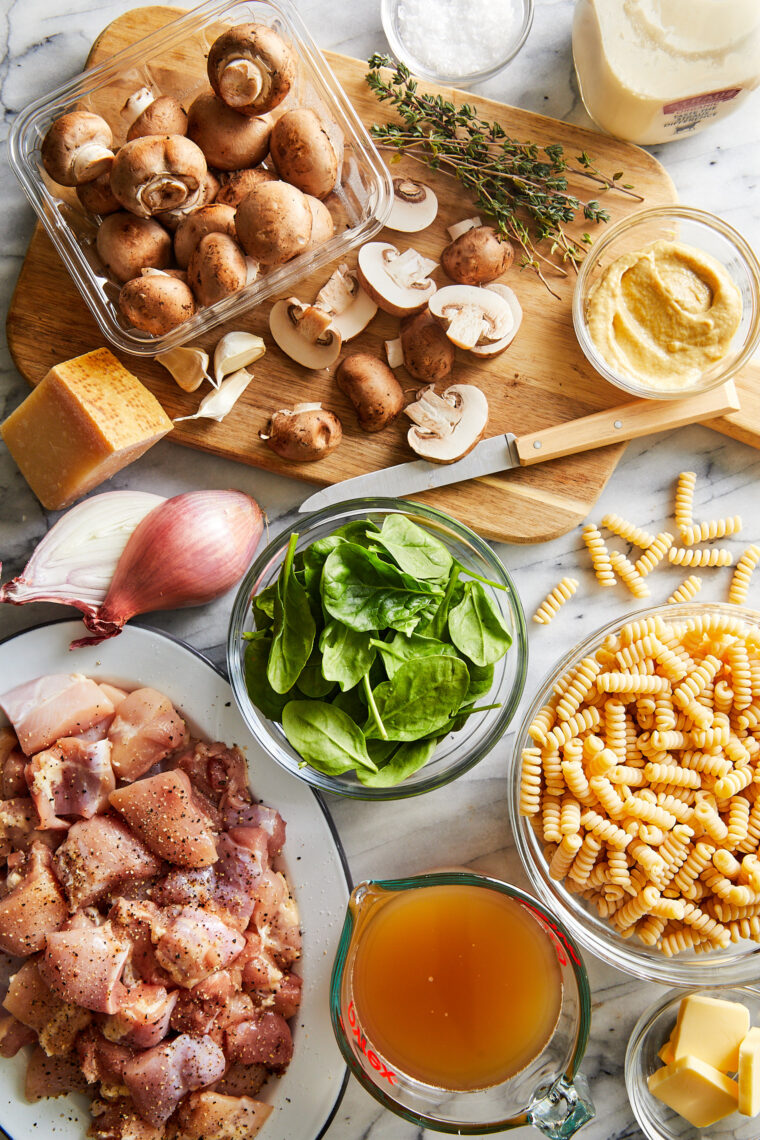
x=41, y=43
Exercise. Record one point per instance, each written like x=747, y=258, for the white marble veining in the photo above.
x=41, y=43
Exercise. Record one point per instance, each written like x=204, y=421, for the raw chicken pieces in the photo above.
x=155, y=940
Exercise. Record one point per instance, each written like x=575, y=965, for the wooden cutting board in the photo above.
x=542, y=379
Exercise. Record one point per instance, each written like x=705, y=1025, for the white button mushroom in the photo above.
x=447, y=427
x=158, y=173
x=471, y=316
x=399, y=283
x=251, y=68
x=77, y=148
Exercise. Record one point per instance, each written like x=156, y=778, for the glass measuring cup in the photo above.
x=548, y=1092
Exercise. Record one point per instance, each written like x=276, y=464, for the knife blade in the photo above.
x=505, y=452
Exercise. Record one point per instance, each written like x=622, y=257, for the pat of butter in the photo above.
x=749, y=1074
x=712, y=1030
x=696, y=1091
x=666, y=1054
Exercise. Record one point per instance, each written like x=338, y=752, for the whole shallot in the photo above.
x=186, y=552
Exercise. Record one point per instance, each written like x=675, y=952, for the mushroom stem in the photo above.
x=137, y=102
x=241, y=82
x=91, y=161
x=163, y=192
x=394, y=353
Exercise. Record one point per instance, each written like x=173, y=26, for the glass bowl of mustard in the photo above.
x=667, y=303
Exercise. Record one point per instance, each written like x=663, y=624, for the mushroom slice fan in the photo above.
x=446, y=427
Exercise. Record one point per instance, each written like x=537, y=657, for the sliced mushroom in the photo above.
x=414, y=206
x=236, y=350
x=127, y=244
x=157, y=173
x=302, y=153
x=399, y=283
x=447, y=427
x=394, y=353
x=217, y=268
x=460, y=228
x=213, y=219
x=350, y=308
x=97, y=196
x=251, y=68
x=303, y=435
x=477, y=256
x=471, y=316
x=77, y=148
x=274, y=223
x=187, y=366
x=428, y=353
x=304, y=333
x=492, y=348
x=237, y=183
x=163, y=116
x=229, y=141
x=156, y=304
x=372, y=389
x=322, y=225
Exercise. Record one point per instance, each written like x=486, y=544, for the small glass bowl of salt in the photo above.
x=456, y=42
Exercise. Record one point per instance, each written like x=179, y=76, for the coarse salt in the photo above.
x=457, y=37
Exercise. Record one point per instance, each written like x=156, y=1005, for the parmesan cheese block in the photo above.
x=696, y=1091
x=86, y=419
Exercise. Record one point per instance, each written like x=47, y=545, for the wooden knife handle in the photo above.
x=627, y=421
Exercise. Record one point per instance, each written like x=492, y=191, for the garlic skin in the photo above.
x=76, y=560
x=236, y=350
x=188, y=366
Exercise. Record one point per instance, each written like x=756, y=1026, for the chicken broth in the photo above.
x=456, y=986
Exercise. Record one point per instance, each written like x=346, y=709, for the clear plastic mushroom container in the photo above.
x=172, y=62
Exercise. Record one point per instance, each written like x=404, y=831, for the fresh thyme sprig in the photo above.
x=521, y=186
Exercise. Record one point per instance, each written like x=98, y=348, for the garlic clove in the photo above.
x=222, y=400
x=236, y=350
x=188, y=366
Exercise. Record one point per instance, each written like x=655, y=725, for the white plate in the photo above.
x=306, y=1098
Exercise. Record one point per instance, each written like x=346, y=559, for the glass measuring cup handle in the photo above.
x=559, y=1110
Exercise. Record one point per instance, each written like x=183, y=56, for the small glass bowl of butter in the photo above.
x=667, y=303
x=646, y=1055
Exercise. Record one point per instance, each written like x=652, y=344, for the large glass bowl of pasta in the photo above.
x=634, y=794
x=377, y=616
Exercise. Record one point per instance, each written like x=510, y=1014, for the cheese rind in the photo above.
x=85, y=420
x=696, y=1091
x=749, y=1073
x=712, y=1030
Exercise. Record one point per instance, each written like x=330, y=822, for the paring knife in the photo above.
x=503, y=452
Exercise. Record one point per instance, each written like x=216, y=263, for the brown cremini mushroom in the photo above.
x=156, y=303
x=237, y=183
x=77, y=148
x=157, y=173
x=303, y=435
x=322, y=225
x=274, y=223
x=230, y=141
x=213, y=219
x=444, y=428
x=164, y=116
x=427, y=352
x=127, y=244
x=477, y=256
x=302, y=153
x=372, y=389
x=97, y=196
x=217, y=268
x=251, y=68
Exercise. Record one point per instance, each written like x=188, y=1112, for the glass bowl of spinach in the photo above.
x=378, y=652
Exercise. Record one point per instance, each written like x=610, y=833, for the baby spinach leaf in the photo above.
x=325, y=737
x=294, y=627
x=365, y=593
x=476, y=627
x=346, y=653
x=266, y=700
x=403, y=647
x=381, y=751
x=414, y=550
x=407, y=758
x=262, y=607
x=456, y=722
x=422, y=695
x=352, y=703
x=311, y=681
x=436, y=625
x=481, y=681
